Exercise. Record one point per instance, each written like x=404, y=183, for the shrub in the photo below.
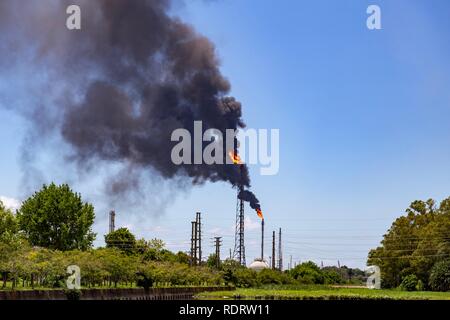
x=244, y=278
x=440, y=276
x=308, y=273
x=409, y=283
x=269, y=276
x=332, y=277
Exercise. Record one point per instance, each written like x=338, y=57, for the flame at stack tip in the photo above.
x=235, y=157
x=260, y=214
x=247, y=195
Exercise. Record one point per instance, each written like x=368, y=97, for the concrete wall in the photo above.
x=111, y=294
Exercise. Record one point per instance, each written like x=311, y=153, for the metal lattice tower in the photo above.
x=239, y=246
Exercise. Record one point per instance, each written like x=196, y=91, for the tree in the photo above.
x=183, y=257
x=55, y=217
x=270, y=276
x=8, y=222
x=414, y=243
x=212, y=261
x=440, y=276
x=244, y=278
x=332, y=276
x=308, y=272
x=121, y=239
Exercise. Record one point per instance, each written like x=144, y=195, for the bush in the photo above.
x=245, y=278
x=410, y=283
x=332, y=277
x=440, y=276
x=308, y=273
x=269, y=276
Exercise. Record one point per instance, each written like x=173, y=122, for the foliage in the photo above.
x=332, y=277
x=440, y=276
x=110, y=267
x=244, y=278
x=182, y=257
x=344, y=275
x=410, y=283
x=212, y=261
x=308, y=273
x=124, y=240
x=8, y=222
x=270, y=276
x=414, y=243
x=55, y=217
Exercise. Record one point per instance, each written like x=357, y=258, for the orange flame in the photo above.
x=235, y=157
x=259, y=213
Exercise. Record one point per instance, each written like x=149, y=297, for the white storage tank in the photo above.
x=258, y=265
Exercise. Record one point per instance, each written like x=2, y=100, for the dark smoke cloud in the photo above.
x=249, y=196
x=131, y=76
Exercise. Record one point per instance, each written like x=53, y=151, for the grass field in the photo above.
x=323, y=293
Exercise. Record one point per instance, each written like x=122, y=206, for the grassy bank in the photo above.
x=323, y=293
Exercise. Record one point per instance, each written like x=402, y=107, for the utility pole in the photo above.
x=290, y=262
x=218, y=242
x=273, y=251
x=280, y=254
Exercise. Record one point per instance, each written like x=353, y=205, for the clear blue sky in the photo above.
x=363, y=118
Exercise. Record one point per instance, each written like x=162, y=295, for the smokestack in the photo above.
x=193, y=243
x=112, y=221
x=198, y=222
x=262, y=240
x=280, y=253
x=273, y=251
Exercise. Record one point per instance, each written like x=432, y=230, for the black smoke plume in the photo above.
x=248, y=196
x=128, y=78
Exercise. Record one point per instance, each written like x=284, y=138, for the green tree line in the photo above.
x=415, y=252
x=53, y=229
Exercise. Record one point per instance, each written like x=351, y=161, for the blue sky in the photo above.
x=363, y=118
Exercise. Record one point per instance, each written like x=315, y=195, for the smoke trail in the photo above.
x=125, y=81
x=248, y=196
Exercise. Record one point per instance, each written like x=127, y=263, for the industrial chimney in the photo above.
x=112, y=218
x=259, y=263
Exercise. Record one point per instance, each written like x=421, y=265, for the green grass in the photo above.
x=323, y=293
